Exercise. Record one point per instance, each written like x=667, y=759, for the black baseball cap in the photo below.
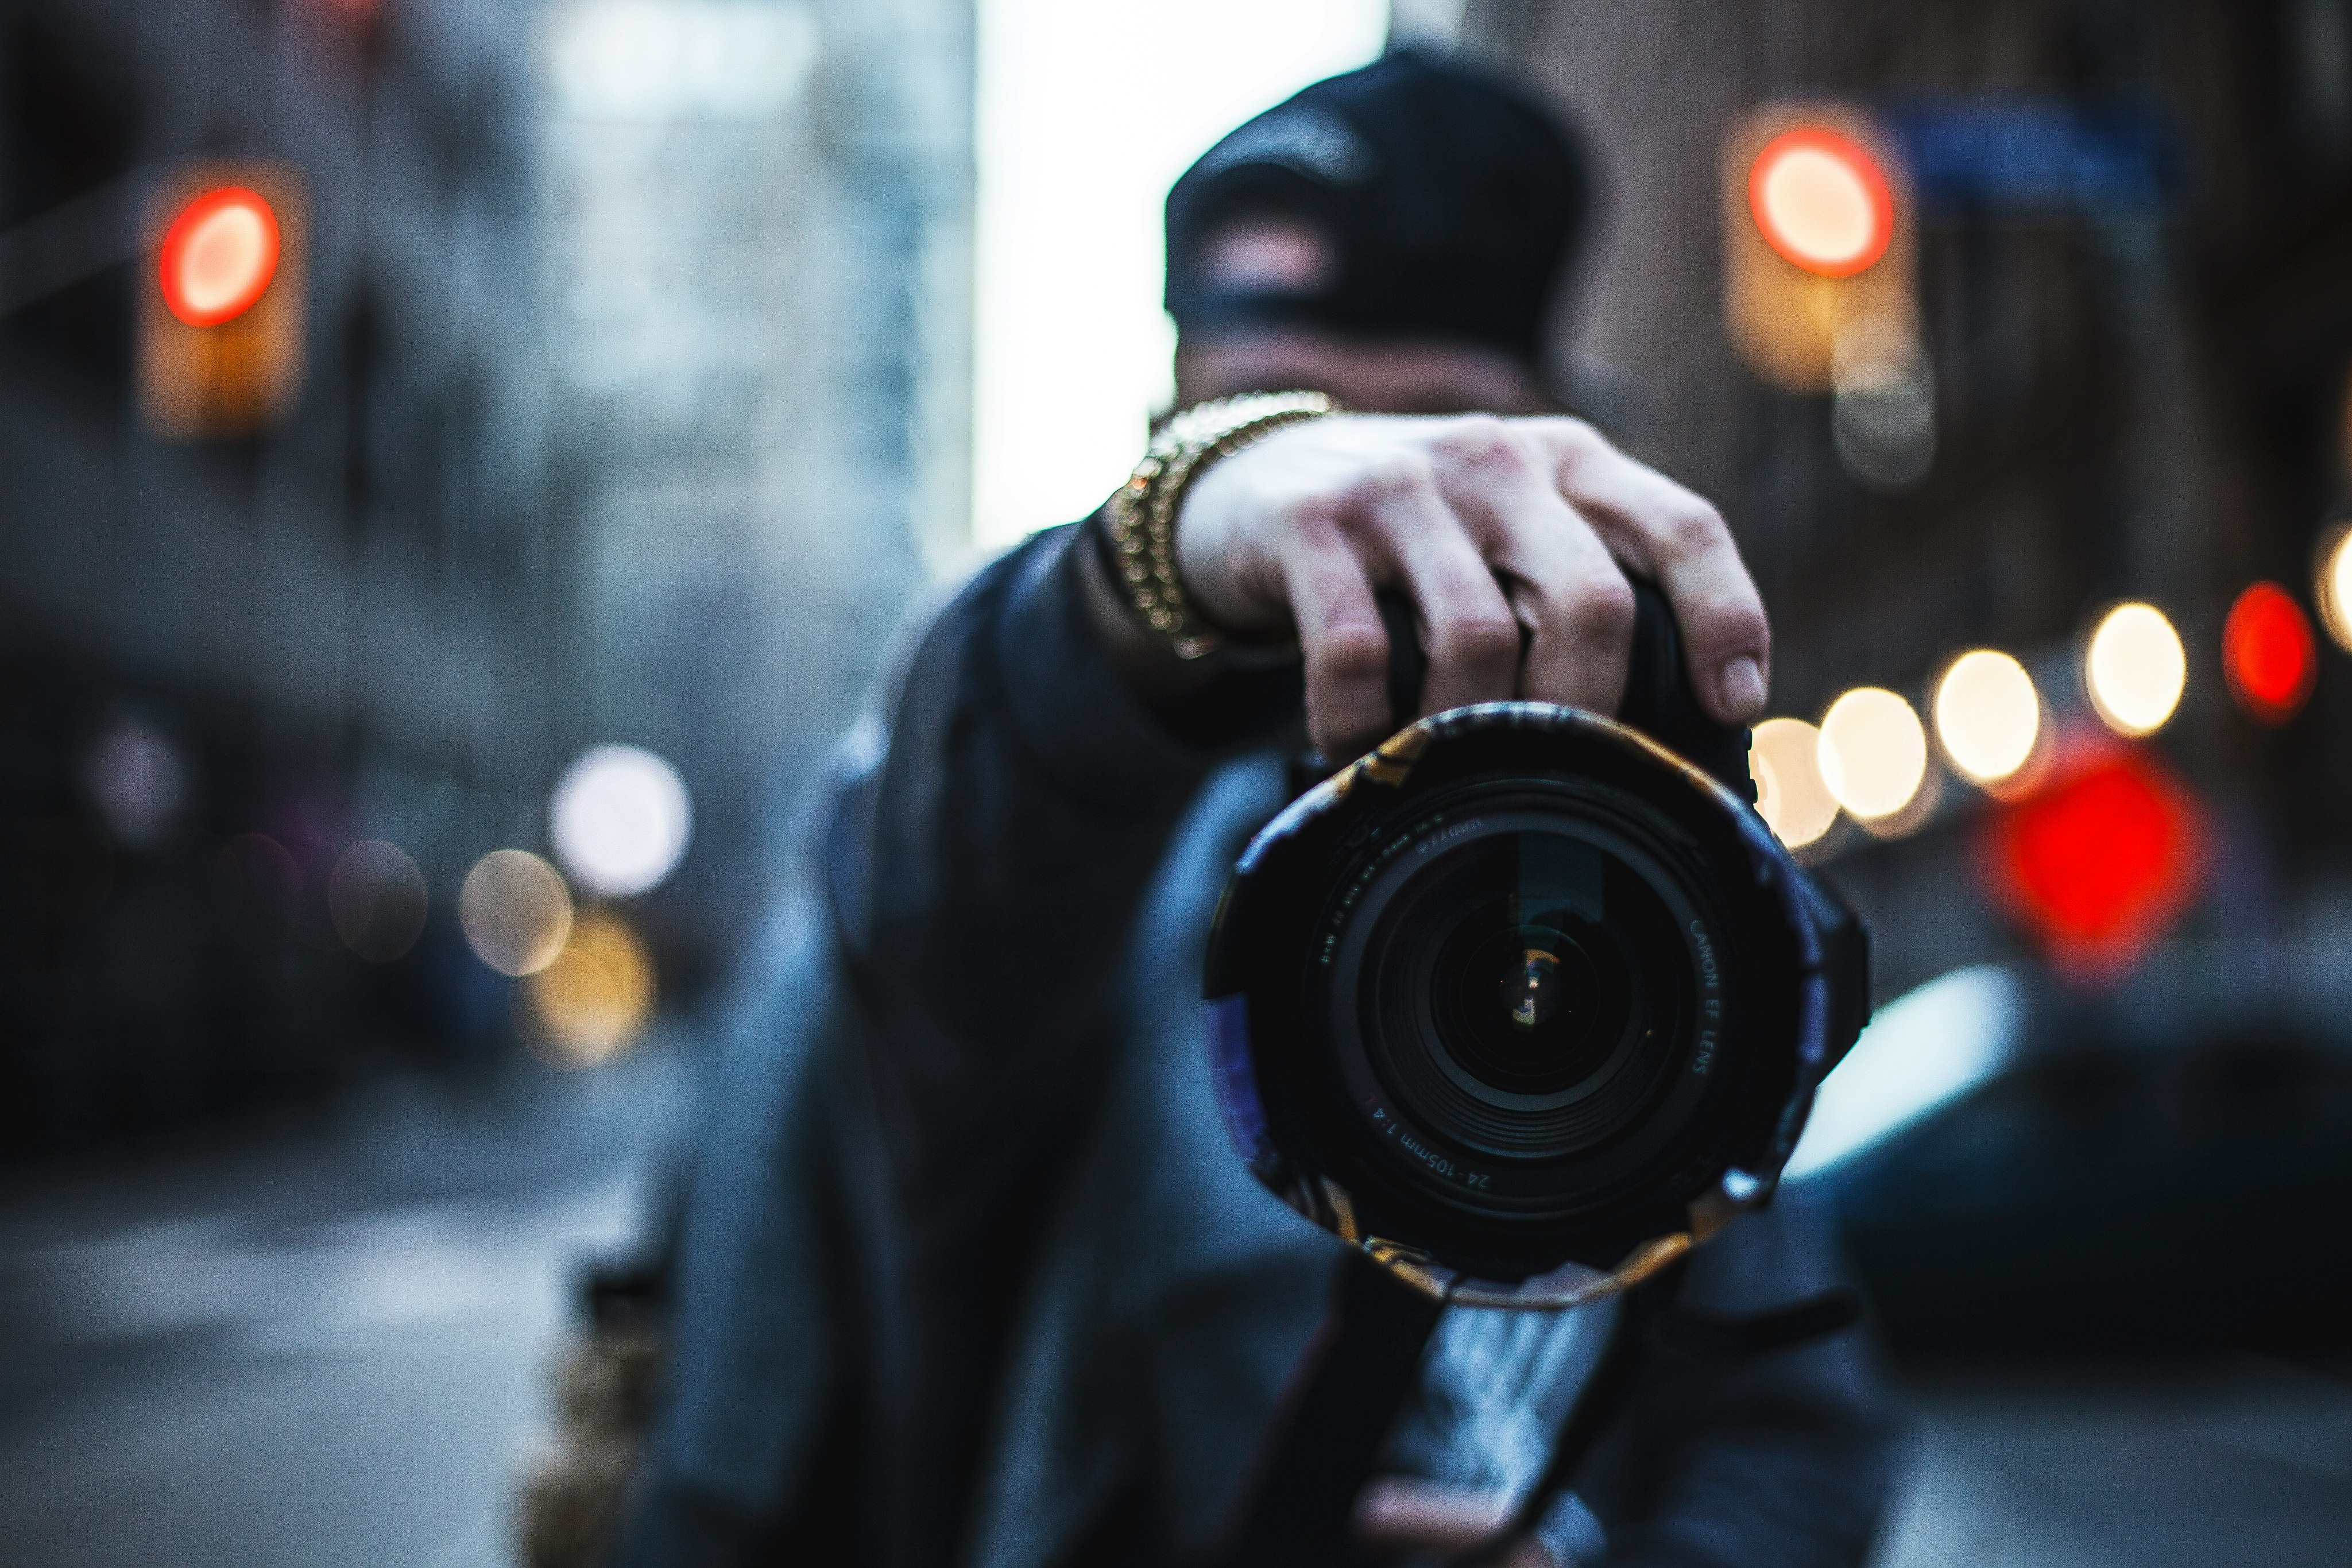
x=1451, y=200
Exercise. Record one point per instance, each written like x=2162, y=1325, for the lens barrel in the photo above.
x=1518, y=989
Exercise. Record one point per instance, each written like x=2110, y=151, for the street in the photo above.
x=324, y=1348
x=2246, y=1462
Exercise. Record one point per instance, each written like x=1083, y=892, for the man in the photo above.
x=967, y=1276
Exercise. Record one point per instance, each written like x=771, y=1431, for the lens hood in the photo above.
x=1524, y=1004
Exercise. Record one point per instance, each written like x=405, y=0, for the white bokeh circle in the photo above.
x=621, y=819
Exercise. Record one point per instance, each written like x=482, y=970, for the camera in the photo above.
x=1528, y=1001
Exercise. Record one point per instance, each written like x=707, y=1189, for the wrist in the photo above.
x=1141, y=517
x=1144, y=660
x=1224, y=570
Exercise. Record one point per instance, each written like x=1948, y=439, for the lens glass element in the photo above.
x=1531, y=990
x=1520, y=984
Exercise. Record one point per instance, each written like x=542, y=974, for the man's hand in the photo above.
x=1511, y=536
x=1398, y=1516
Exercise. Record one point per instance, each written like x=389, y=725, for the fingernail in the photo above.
x=1740, y=688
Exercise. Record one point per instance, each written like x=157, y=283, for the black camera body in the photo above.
x=1524, y=1002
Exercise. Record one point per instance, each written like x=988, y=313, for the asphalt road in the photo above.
x=324, y=1349
x=320, y=1350
x=2236, y=1463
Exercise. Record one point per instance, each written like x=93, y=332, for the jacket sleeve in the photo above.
x=1780, y=1459
x=1025, y=798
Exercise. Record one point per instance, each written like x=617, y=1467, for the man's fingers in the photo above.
x=1345, y=648
x=1400, y=1511
x=1564, y=588
x=1580, y=609
x=1677, y=539
x=1513, y=538
x=1468, y=630
x=1398, y=529
x=1401, y=1515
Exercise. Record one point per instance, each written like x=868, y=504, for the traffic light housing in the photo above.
x=222, y=304
x=1817, y=243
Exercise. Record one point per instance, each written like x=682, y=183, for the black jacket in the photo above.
x=968, y=1275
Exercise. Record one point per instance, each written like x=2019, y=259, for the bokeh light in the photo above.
x=376, y=897
x=1917, y=812
x=1883, y=420
x=516, y=911
x=218, y=256
x=2134, y=669
x=136, y=778
x=2334, y=584
x=596, y=996
x=1873, y=752
x=2269, y=656
x=1821, y=200
x=2098, y=864
x=621, y=819
x=1988, y=715
x=1782, y=758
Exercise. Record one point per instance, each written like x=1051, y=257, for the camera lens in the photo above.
x=1518, y=989
x=1522, y=1001
x=1513, y=982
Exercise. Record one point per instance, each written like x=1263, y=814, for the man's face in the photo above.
x=1404, y=376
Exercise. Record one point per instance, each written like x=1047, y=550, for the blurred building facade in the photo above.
x=2137, y=384
x=761, y=261
x=226, y=660
x=635, y=348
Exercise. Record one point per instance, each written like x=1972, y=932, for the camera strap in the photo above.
x=1650, y=1320
x=1297, y=1507
x=1604, y=1395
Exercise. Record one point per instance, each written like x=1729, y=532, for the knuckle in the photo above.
x=1729, y=617
x=1696, y=528
x=1355, y=654
x=1387, y=477
x=1480, y=441
x=1478, y=639
x=1316, y=522
x=1744, y=625
x=1573, y=437
x=1601, y=606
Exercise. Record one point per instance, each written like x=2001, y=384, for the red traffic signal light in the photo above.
x=221, y=326
x=1821, y=200
x=218, y=256
x=1817, y=247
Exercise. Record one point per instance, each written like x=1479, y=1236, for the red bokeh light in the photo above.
x=2098, y=862
x=218, y=256
x=2269, y=654
x=1822, y=200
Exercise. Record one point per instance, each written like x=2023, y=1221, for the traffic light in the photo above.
x=221, y=309
x=1817, y=245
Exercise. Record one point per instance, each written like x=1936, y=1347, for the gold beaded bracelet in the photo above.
x=1142, y=512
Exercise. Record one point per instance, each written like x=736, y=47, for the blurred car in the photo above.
x=2162, y=1168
